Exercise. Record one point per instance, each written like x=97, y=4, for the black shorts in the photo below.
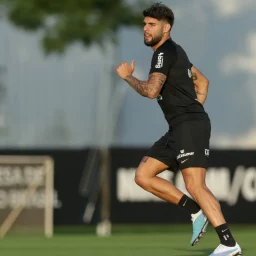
x=185, y=145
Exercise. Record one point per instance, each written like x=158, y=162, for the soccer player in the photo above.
x=181, y=90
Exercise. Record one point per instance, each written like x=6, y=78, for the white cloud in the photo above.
x=235, y=63
x=243, y=141
x=195, y=8
x=238, y=63
x=228, y=8
x=246, y=63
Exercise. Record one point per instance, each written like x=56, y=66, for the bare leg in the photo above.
x=195, y=184
x=146, y=178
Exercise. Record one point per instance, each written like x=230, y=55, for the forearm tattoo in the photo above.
x=200, y=93
x=144, y=159
x=194, y=76
x=147, y=88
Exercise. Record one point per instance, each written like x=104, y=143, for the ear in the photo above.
x=167, y=27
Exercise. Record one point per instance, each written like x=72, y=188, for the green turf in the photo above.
x=125, y=241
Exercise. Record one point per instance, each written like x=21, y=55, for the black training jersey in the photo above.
x=177, y=98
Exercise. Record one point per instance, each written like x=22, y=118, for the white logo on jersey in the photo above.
x=159, y=97
x=207, y=152
x=189, y=73
x=160, y=60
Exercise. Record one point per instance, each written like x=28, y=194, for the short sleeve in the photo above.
x=162, y=61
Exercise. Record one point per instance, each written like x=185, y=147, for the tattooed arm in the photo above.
x=150, y=88
x=201, y=84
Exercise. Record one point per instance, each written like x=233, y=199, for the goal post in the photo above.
x=26, y=194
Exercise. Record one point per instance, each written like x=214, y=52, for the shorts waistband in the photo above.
x=187, y=117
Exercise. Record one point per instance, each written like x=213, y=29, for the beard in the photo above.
x=153, y=41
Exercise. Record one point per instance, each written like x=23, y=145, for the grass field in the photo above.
x=171, y=240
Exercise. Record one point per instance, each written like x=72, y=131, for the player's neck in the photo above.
x=163, y=40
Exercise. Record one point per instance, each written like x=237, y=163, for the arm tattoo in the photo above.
x=199, y=93
x=144, y=159
x=152, y=87
x=194, y=76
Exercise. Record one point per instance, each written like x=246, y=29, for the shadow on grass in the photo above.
x=196, y=252
x=202, y=252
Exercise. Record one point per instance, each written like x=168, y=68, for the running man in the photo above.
x=181, y=90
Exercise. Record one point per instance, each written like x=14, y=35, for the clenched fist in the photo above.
x=124, y=69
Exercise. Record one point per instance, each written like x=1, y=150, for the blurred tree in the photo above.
x=66, y=21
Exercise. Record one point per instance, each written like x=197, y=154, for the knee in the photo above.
x=141, y=180
x=195, y=188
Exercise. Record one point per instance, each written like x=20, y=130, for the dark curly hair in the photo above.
x=160, y=11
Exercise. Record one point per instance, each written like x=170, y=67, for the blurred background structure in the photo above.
x=60, y=97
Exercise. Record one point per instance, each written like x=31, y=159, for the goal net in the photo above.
x=26, y=195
